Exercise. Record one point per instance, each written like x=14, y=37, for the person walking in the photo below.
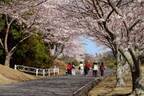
x=102, y=68
x=73, y=70
x=86, y=68
x=95, y=69
x=81, y=68
x=69, y=68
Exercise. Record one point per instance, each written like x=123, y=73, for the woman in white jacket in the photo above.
x=95, y=69
x=81, y=68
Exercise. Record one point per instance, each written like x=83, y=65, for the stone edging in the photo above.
x=83, y=91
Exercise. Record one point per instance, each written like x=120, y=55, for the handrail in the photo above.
x=38, y=71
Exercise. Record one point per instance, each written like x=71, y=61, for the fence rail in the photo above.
x=38, y=71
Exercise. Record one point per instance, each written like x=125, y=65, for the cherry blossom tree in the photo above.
x=117, y=24
x=74, y=48
x=91, y=20
x=57, y=29
x=131, y=42
x=22, y=12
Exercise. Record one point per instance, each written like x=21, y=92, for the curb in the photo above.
x=83, y=91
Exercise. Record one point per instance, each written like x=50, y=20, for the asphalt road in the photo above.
x=56, y=86
x=53, y=86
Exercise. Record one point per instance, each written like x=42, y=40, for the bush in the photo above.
x=33, y=53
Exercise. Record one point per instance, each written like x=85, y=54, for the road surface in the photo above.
x=56, y=86
x=50, y=86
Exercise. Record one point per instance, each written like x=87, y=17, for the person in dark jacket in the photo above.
x=102, y=68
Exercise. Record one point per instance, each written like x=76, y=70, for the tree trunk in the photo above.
x=120, y=79
x=138, y=85
x=7, y=60
x=137, y=80
x=119, y=72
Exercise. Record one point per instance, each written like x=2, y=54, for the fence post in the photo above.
x=43, y=72
x=15, y=67
x=36, y=72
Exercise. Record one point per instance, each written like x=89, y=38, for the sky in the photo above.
x=90, y=46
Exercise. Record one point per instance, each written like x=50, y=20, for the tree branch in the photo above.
x=39, y=3
x=114, y=8
x=125, y=57
x=14, y=47
x=96, y=9
x=108, y=31
x=1, y=43
x=134, y=24
x=100, y=8
x=110, y=13
x=132, y=54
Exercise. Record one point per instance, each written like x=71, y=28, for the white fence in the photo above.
x=38, y=71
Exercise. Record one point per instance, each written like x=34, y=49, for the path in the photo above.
x=56, y=86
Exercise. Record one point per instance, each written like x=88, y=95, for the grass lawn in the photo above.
x=8, y=75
